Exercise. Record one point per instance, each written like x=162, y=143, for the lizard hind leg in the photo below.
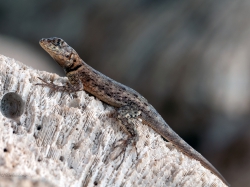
x=125, y=115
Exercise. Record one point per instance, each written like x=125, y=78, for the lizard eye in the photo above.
x=58, y=41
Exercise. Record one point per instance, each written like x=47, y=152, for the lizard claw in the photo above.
x=50, y=85
x=43, y=81
x=119, y=149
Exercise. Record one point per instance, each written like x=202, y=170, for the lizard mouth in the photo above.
x=52, y=45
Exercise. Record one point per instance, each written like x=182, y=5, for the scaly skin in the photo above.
x=128, y=102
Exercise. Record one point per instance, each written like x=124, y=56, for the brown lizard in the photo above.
x=128, y=102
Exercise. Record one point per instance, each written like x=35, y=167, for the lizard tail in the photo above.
x=156, y=122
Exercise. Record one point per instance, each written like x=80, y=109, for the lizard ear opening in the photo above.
x=69, y=57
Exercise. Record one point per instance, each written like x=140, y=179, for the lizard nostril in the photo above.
x=42, y=40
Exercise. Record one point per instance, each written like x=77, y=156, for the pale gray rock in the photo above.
x=69, y=142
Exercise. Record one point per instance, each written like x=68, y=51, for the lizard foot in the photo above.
x=120, y=149
x=47, y=84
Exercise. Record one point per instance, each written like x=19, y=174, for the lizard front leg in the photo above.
x=73, y=85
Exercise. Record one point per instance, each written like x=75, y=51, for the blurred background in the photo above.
x=189, y=58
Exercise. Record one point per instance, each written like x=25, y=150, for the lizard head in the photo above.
x=61, y=52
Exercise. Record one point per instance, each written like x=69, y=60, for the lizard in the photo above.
x=127, y=102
